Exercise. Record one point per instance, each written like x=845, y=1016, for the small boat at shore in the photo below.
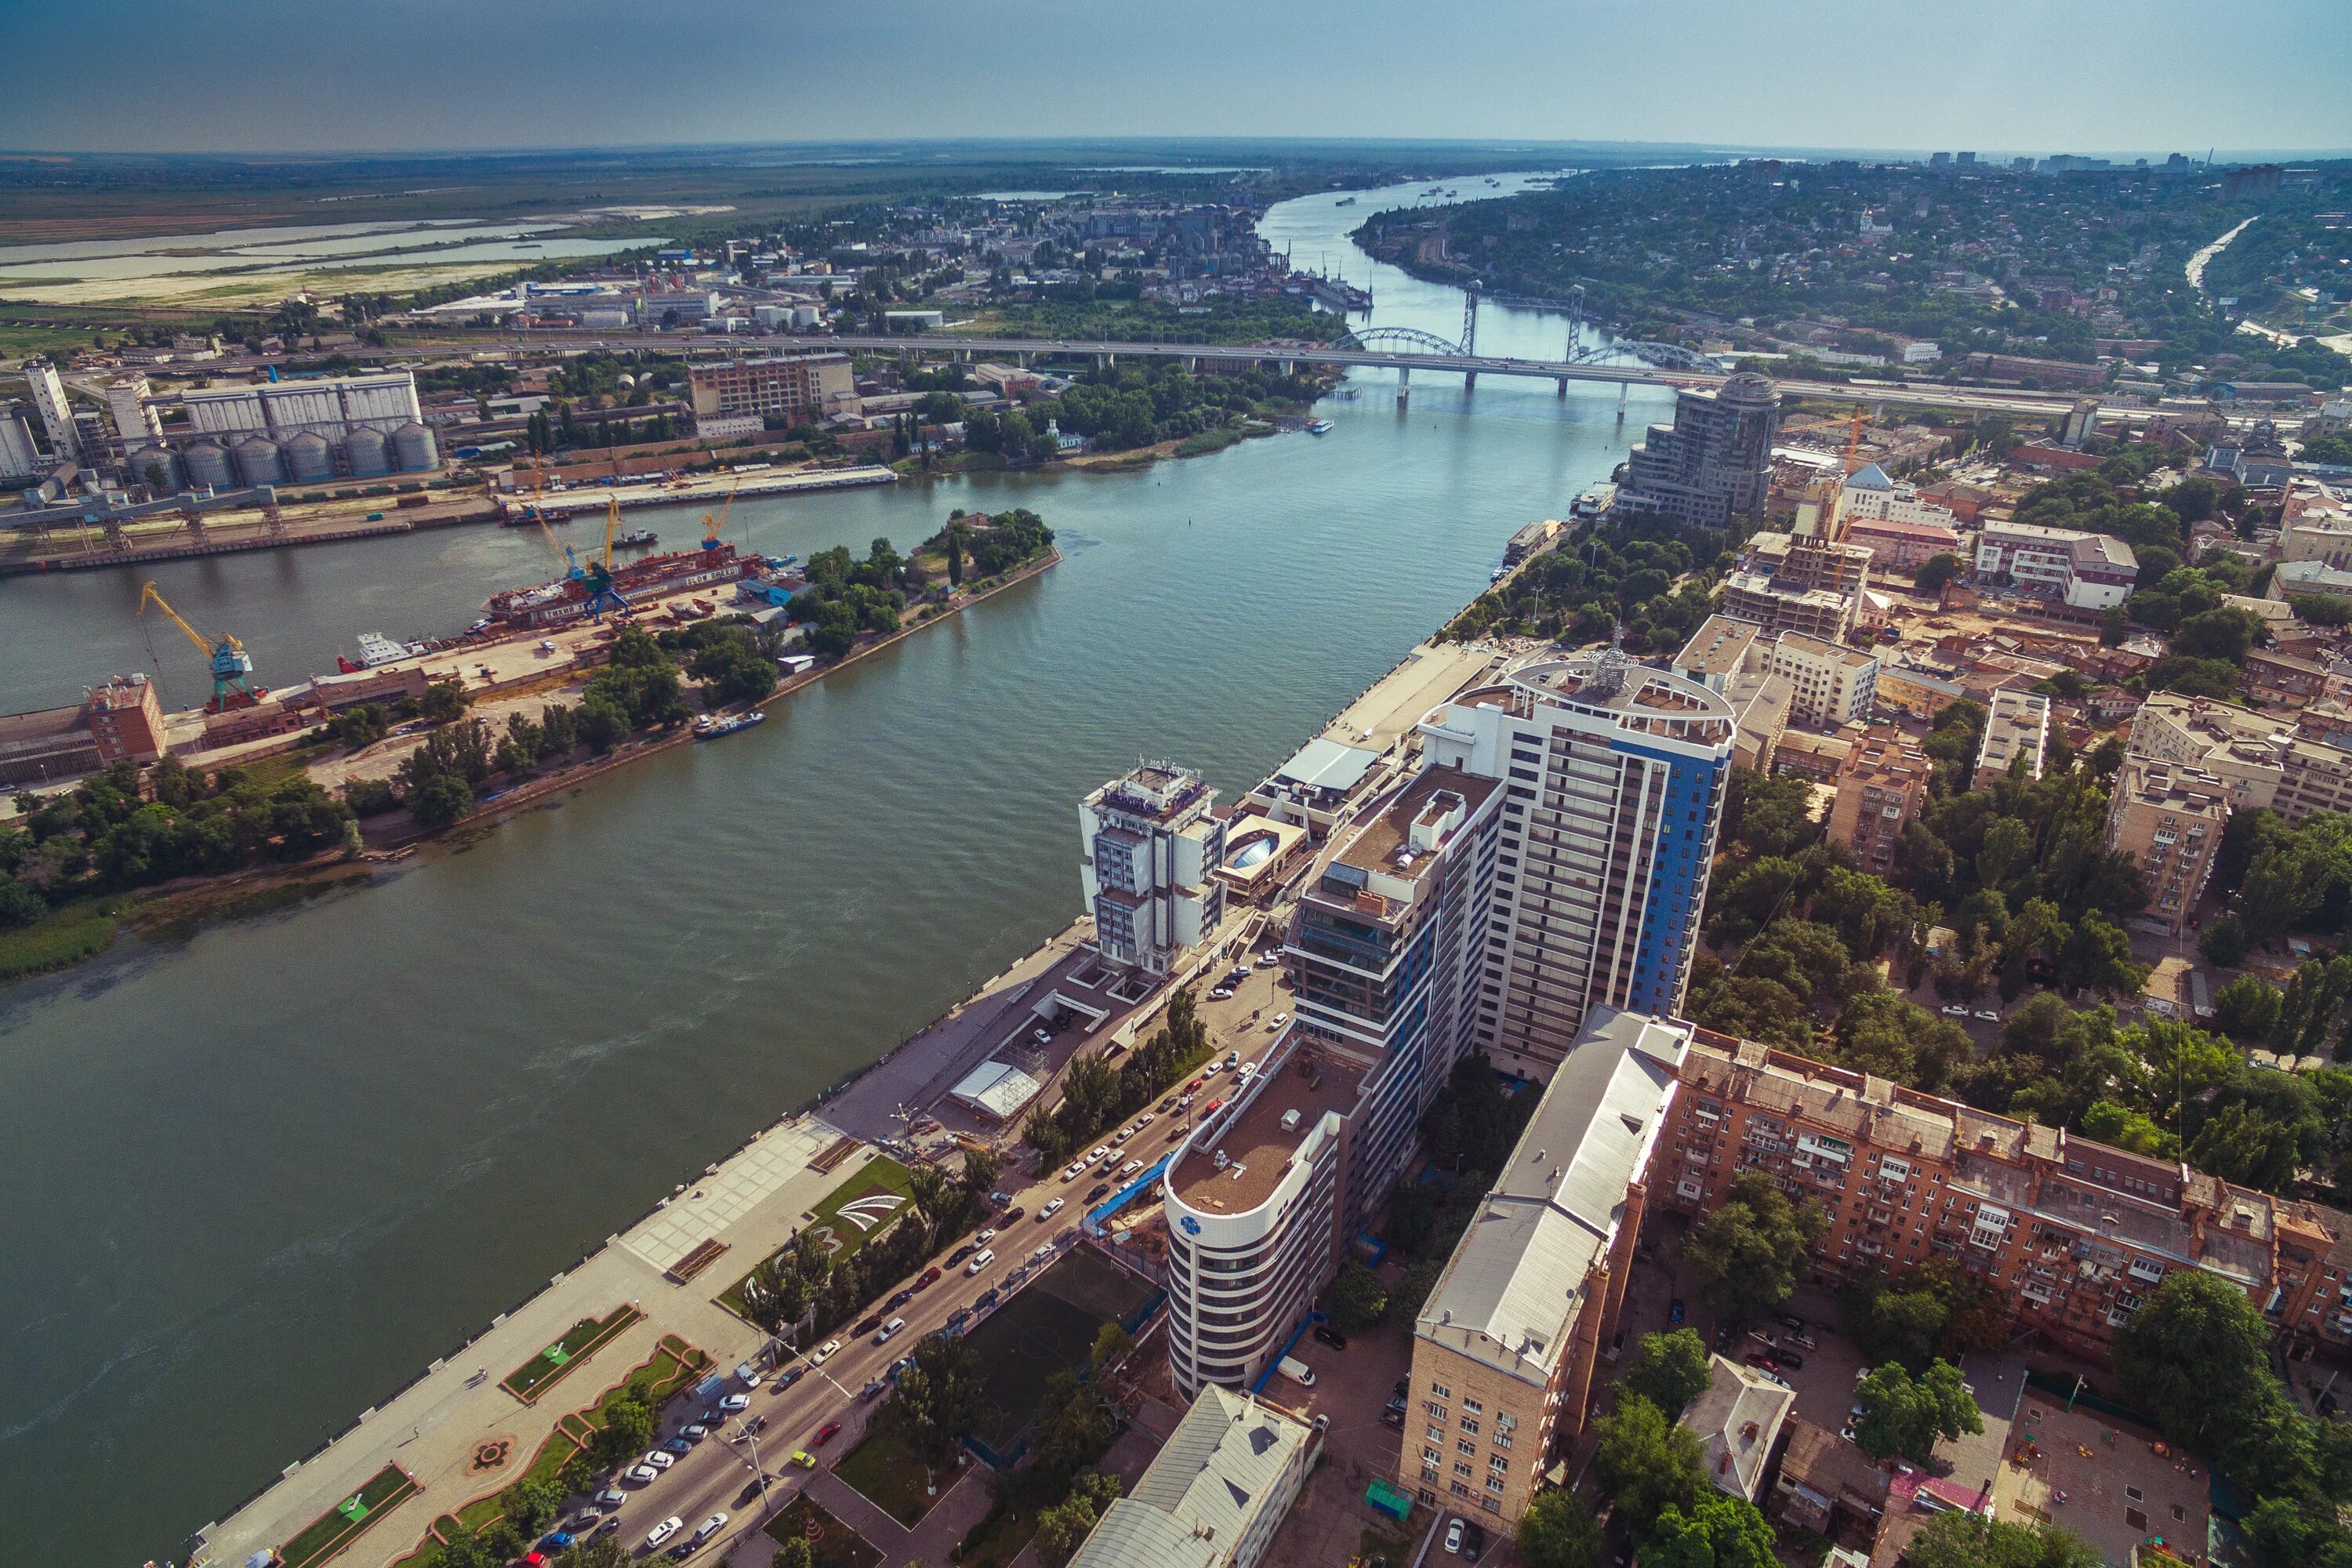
x=635, y=538
x=710, y=726
x=1319, y=427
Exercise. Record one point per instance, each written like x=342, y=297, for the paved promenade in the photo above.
x=433, y=1429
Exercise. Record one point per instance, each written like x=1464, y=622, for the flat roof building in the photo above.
x=2017, y=726
x=1881, y=785
x=1830, y=684
x=1737, y=1420
x=2169, y=817
x=795, y=388
x=1150, y=848
x=1723, y=646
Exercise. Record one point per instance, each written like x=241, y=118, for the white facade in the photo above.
x=1868, y=492
x=19, y=458
x=135, y=423
x=1240, y=1280
x=332, y=407
x=1830, y=684
x=1614, y=777
x=2086, y=571
x=1151, y=847
x=50, y=402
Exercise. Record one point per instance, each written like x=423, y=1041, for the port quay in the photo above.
x=671, y=1265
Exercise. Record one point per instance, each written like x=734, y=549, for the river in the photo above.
x=259, y=1176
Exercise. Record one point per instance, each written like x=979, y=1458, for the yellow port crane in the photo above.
x=714, y=523
x=612, y=521
x=232, y=667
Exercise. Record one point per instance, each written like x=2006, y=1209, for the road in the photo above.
x=720, y=1476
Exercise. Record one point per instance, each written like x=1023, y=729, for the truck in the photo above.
x=1297, y=1371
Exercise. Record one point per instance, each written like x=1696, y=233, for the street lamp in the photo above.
x=758, y=1469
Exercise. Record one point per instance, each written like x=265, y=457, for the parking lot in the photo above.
x=1327, y=1523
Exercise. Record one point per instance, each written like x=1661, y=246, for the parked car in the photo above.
x=824, y=1352
x=786, y=1378
x=736, y=1402
x=710, y=1527
x=664, y=1530
x=1786, y=1358
x=658, y=1459
x=827, y=1433
x=679, y=1445
x=1474, y=1541
x=931, y=1276
x=959, y=1317
x=1146, y=1120
x=873, y=1389
x=1098, y=1190
x=1804, y=1341
x=1131, y=1168
x=1674, y=1311
x=889, y=1330
x=1986, y=1016
x=694, y=1432
x=898, y=1298
x=980, y=1260
x=1788, y=1320
x=868, y=1325
x=1274, y=1025
x=611, y=1497
x=955, y=1258
x=1454, y=1537
x=644, y=1475
x=1953, y=1010
x=804, y=1458
x=984, y=1238
x=1014, y=1213
x=986, y=1299
x=1222, y=994
x=1392, y=1418
x=1331, y=1336
x=1077, y=1168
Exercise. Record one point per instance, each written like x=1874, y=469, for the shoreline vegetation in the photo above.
x=161, y=851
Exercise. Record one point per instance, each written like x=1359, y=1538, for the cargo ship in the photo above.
x=636, y=537
x=589, y=589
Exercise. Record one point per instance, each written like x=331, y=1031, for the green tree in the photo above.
x=2196, y=1357
x=1111, y=1342
x=628, y=1427
x=1063, y=1527
x=1936, y=571
x=794, y=1553
x=1971, y=1540
x=1646, y=1463
x=1747, y=1252
x=1357, y=1298
x=444, y=700
x=940, y=1397
x=440, y=800
x=1670, y=1370
x=1719, y=1532
x=1558, y=1532
x=1905, y=1415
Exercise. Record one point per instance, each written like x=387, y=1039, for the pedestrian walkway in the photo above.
x=950, y=1518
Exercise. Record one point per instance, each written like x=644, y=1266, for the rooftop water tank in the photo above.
x=209, y=467
x=413, y=448
x=259, y=462
x=310, y=457
x=369, y=452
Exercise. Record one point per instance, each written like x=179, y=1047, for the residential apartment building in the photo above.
x=2072, y=1234
x=738, y=397
x=1613, y=783
x=1830, y=684
x=1720, y=648
x=2314, y=776
x=2088, y=571
x=2313, y=579
x=1882, y=785
x=1714, y=463
x=1799, y=582
x=2169, y=817
x=1759, y=709
x=1214, y=1493
x=1922, y=690
x=1892, y=521
x=1150, y=847
x=2247, y=752
x=2321, y=533
x=2018, y=725
x=1505, y=1348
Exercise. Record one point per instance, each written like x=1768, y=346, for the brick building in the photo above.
x=1882, y=785
x=2169, y=817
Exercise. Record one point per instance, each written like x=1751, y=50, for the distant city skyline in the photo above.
x=1991, y=76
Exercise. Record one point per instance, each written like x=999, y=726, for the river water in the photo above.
x=256, y=1178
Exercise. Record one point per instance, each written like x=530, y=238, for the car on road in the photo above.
x=677, y=1446
x=1985, y=1016
x=694, y=1432
x=898, y=1298
x=1222, y=994
x=1042, y=1253
x=1077, y=1168
x=1098, y=1152
x=827, y=1433
x=824, y=1351
x=1098, y=1190
x=804, y=1458
x=1131, y=1168
x=644, y=1475
x=980, y=1260
x=889, y=1330
x=868, y=1325
x=1454, y=1537
x=736, y=1402
x=1953, y=1010
x=1331, y=1336
x=1674, y=1311
x=873, y=1389
x=664, y=1530
x=984, y=1238
x=659, y=1460
x=955, y=1258
x=1049, y=1211
x=1274, y=1025
x=959, y=1317
x=1014, y=1213
x=611, y=1497
x=710, y=1527
x=931, y=1276
x=785, y=1379
x=986, y=1299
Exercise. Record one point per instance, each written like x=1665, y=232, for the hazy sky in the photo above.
x=1992, y=74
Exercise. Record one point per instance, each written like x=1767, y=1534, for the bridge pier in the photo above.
x=1559, y=387
x=1469, y=381
x=1404, y=385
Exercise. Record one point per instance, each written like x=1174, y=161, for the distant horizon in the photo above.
x=415, y=77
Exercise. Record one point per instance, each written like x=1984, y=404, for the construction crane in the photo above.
x=572, y=567
x=714, y=524
x=232, y=666
x=612, y=521
x=597, y=575
x=1853, y=441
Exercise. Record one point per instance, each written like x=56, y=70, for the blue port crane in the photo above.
x=232, y=667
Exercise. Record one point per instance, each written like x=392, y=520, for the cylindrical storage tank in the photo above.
x=147, y=457
x=368, y=452
x=310, y=458
x=805, y=315
x=259, y=462
x=209, y=468
x=413, y=448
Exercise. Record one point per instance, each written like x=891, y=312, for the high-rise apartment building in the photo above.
x=1809, y=580
x=55, y=408
x=1150, y=848
x=2169, y=817
x=1714, y=463
x=1614, y=780
x=1881, y=785
x=1504, y=1349
x=739, y=396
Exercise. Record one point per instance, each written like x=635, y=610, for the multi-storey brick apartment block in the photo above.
x=2073, y=1234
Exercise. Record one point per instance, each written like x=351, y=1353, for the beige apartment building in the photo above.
x=1505, y=1348
x=1881, y=785
x=1830, y=684
x=2169, y=817
x=2018, y=725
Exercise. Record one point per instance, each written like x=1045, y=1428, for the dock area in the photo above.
x=703, y=490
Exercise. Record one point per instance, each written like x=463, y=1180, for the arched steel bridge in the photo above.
x=1413, y=341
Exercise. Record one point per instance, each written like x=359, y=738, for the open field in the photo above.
x=868, y=1197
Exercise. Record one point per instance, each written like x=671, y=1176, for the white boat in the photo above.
x=711, y=726
x=1318, y=428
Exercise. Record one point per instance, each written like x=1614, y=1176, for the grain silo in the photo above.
x=159, y=458
x=368, y=453
x=209, y=468
x=261, y=462
x=414, y=449
x=310, y=457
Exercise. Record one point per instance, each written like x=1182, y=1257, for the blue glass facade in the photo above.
x=1685, y=845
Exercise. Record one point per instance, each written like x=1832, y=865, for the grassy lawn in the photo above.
x=833, y=1543
x=1377, y=1548
x=582, y=1340
x=878, y=1179
x=891, y=1476
x=273, y=771
x=1003, y=1541
x=343, y=1525
x=674, y=1366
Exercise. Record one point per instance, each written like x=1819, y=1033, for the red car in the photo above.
x=827, y=1433
x=929, y=1277
x=1214, y=1106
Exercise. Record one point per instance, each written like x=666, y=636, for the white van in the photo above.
x=980, y=1260
x=1297, y=1371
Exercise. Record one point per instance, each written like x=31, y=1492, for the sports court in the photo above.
x=1048, y=1326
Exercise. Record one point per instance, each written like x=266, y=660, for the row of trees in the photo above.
x=1096, y=1095
x=1623, y=573
x=846, y=596
x=993, y=545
